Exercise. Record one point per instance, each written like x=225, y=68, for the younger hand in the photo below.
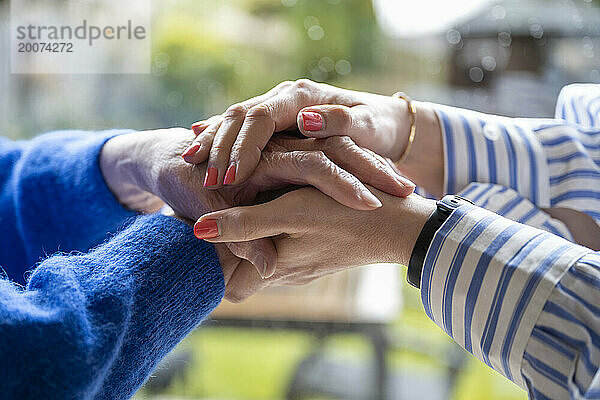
x=315, y=236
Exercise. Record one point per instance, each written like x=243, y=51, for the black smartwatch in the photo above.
x=445, y=207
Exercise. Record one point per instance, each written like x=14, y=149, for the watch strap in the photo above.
x=444, y=208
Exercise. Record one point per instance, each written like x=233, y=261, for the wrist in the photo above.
x=121, y=171
x=402, y=118
x=408, y=216
x=427, y=145
x=444, y=208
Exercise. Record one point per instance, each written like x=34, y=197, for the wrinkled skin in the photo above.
x=151, y=161
x=379, y=123
x=316, y=236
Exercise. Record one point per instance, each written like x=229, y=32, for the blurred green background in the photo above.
x=234, y=363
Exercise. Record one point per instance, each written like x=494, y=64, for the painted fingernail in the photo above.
x=212, y=174
x=312, y=121
x=370, y=199
x=206, y=229
x=229, y=175
x=197, y=128
x=190, y=151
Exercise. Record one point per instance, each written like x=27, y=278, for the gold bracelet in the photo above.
x=413, y=124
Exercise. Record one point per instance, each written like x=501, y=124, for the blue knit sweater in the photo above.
x=93, y=321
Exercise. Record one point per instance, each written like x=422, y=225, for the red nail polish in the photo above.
x=206, y=229
x=229, y=175
x=312, y=121
x=191, y=151
x=198, y=128
x=212, y=174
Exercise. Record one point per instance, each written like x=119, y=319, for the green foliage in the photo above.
x=211, y=65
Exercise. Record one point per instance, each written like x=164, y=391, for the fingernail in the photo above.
x=229, y=175
x=405, y=181
x=212, y=174
x=262, y=267
x=206, y=229
x=190, y=151
x=197, y=128
x=370, y=199
x=312, y=121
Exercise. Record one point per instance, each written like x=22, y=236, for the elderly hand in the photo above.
x=149, y=162
x=316, y=236
x=232, y=142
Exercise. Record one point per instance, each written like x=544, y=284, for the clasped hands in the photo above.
x=352, y=207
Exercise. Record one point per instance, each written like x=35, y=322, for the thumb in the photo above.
x=242, y=224
x=334, y=120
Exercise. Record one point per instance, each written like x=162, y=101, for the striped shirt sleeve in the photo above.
x=551, y=162
x=562, y=356
x=580, y=104
x=510, y=204
x=486, y=280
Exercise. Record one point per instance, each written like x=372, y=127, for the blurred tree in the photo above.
x=209, y=54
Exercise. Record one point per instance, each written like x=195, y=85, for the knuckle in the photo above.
x=318, y=156
x=304, y=83
x=236, y=111
x=285, y=84
x=261, y=111
x=336, y=143
x=346, y=141
x=304, y=90
x=342, y=115
x=368, y=122
x=321, y=166
x=311, y=160
x=248, y=226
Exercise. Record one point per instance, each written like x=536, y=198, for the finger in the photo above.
x=261, y=253
x=244, y=282
x=200, y=126
x=198, y=151
x=365, y=164
x=273, y=115
x=218, y=158
x=335, y=120
x=314, y=168
x=241, y=224
x=368, y=166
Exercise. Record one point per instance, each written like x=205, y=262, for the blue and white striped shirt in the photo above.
x=521, y=296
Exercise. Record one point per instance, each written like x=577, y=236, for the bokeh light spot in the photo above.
x=476, y=74
x=315, y=32
x=343, y=67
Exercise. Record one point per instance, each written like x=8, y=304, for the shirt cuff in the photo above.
x=486, y=279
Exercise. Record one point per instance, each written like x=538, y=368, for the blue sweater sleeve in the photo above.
x=53, y=197
x=93, y=326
